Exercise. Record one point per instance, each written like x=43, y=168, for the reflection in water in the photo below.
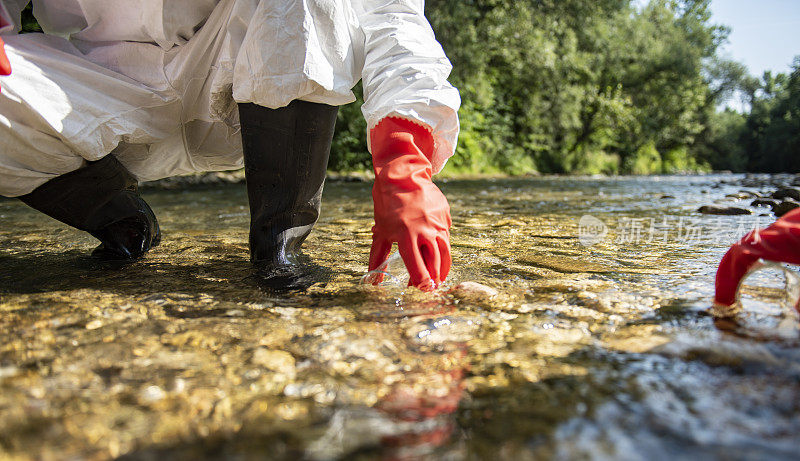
x=595, y=347
x=414, y=417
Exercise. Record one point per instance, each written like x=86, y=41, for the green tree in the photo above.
x=772, y=131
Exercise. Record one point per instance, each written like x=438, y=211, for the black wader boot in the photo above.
x=102, y=199
x=285, y=159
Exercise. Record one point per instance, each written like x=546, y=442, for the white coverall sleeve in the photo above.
x=11, y=14
x=405, y=72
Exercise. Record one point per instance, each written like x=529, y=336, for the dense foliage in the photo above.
x=601, y=86
x=597, y=86
x=771, y=134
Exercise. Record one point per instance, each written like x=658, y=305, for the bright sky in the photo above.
x=765, y=34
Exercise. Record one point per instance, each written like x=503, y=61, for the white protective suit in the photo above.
x=156, y=82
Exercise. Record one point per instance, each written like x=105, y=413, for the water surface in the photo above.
x=598, y=347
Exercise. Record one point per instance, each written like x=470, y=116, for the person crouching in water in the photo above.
x=145, y=90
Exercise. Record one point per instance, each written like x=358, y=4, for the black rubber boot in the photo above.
x=102, y=199
x=285, y=159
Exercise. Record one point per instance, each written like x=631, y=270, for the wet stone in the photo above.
x=787, y=192
x=473, y=291
x=723, y=210
x=8, y=371
x=740, y=195
x=152, y=394
x=765, y=202
x=785, y=207
x=275, y=360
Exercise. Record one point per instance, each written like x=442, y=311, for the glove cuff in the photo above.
x=394, y=136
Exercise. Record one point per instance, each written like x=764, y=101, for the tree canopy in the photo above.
x=601, y=86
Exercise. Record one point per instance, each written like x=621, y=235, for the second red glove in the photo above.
x=5, y=66
x=779, y=242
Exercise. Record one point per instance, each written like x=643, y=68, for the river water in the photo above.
x=599, y=344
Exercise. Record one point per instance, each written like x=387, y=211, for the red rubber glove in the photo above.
x=5, y=66
x=779, y=242
x=409, y=208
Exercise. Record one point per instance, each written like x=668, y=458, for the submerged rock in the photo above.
x=473, y=291
x=723, y=210
x=278, y=361
x=152, y=394
x=787, y=192
x=785, y=207
x=740, y=195
x=765, y=202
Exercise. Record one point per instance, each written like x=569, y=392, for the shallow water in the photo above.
x=599, y=345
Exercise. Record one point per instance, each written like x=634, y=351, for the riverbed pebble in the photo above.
x=152, y=394
x=723, y=210
x=740, y=195
x=473, y=291
x=785, y=207
x=765, y=202
x=278, y=361
x=787, y=192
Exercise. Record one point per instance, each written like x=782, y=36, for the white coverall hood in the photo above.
x=156, y=82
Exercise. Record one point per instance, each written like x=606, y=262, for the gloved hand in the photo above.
x=409, y=208
x=779, y=242
x=5, y=66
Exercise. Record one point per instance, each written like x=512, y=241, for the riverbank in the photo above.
x=237, y=177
